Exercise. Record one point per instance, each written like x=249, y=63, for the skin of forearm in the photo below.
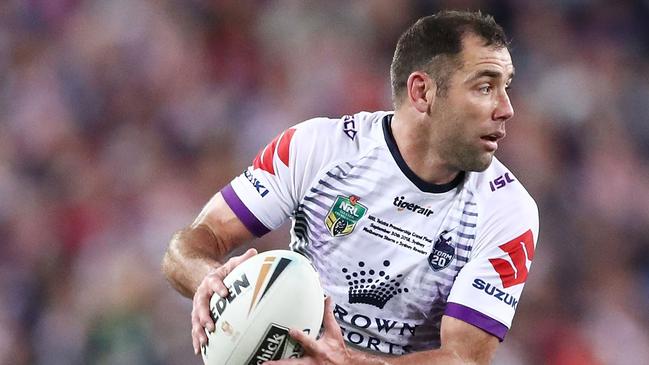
x=191, y=254
x=441, y=356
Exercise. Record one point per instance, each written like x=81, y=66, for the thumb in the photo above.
x=329, y=320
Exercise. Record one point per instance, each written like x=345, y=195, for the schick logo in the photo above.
x=371, y=287
x=402, y=204
x=343, y=215
x=272, y=345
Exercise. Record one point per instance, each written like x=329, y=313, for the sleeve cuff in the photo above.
x=242, y=212
x=473, y=317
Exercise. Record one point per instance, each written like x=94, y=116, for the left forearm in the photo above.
x=431, y=357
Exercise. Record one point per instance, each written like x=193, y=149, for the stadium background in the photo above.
x=119, y=119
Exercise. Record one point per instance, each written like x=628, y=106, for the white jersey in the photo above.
x=395, y=253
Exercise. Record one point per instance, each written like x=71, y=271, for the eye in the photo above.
x=486, y=89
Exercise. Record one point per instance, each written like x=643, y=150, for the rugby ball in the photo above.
x=270, y=293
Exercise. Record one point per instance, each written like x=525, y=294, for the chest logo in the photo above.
x=443, y=253
x=344, y=214
x=368, y=286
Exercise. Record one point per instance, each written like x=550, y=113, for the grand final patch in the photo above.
x=344, y=214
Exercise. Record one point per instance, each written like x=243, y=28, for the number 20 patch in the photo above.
x=442, y=254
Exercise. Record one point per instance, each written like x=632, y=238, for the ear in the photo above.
x=421, y=91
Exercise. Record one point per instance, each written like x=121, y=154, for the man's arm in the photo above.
x=196, y=249
x=193, y=263
x=462, y=343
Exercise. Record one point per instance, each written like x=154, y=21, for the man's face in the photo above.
x=470, y=117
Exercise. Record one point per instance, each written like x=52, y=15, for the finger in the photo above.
x=215, y=278
x=195, y=342
x=308, y=344
x=195, y=326
x=235, y=261
x=201, y=307
x=213, y=283
x=248, y=254
x=287, y=362
x=198, y=337
x=329, y=320
x=198, y=332
x=201, y=318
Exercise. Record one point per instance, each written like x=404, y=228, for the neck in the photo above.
x=416, y=144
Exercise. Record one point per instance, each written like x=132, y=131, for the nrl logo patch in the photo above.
x=442, y=254
x=344, y=214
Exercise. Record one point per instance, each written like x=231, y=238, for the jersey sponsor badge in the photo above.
x=344, y=214
x=520, y=250
x=442, y=253
x=273, y=346
x=373, y=287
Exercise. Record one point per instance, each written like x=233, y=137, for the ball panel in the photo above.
x=269, y=293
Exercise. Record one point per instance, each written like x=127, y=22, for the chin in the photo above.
x=479, y=165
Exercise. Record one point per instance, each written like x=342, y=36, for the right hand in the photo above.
x=211, y=283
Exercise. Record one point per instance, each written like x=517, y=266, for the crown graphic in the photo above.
x=371, y=287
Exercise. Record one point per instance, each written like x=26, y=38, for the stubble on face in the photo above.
x=456, y=146
x=461, y=118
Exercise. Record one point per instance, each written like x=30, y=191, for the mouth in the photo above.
x=491, y=140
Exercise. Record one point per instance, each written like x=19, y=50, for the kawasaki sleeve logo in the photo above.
x=344, y=214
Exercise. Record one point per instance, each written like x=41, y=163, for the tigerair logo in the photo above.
x=344, y=214
x=401, y=204
x=369, y=286
x=270, y=271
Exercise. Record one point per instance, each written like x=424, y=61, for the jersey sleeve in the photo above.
x=269, y=190
x=488, y=288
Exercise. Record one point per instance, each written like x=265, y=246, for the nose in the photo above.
x=504, y=109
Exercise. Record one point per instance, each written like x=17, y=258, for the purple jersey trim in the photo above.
x=243, y=213
x=477, y=319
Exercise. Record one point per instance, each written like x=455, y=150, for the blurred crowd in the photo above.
x=119, y=119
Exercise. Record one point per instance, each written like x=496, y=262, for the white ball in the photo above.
x=269, y=294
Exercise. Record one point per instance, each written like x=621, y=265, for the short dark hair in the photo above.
x=433, y=43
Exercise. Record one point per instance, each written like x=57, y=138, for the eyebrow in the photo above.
x=490, y=73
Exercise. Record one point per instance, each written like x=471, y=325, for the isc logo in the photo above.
x=500, y=181
x=349, y=127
